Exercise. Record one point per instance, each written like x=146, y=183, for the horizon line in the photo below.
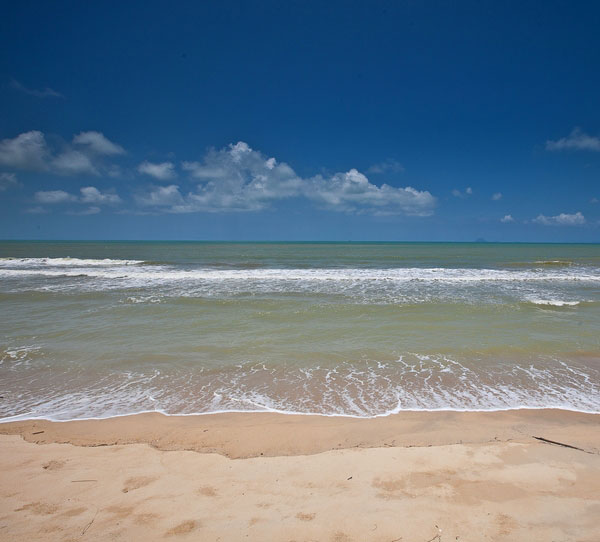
x=284, y=241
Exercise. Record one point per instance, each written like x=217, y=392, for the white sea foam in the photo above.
x=554, y=302
x=63, y=262
x=410, y=274
x=143, y=299
x=410, y=285
x=18, y=355
x=414, y=382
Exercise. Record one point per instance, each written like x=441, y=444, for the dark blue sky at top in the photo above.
x=462, y=100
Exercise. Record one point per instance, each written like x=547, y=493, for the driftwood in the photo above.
x=548, y=441
x=89, y=524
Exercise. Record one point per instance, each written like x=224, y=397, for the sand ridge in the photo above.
x=243, y=435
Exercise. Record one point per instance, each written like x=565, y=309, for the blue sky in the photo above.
x=300, y=120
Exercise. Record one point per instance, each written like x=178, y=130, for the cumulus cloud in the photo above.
x=238, y=178
x=8, y=180
x=161, y=196
x=114, y=171
x=30, y=151
x=497, y=196
x=93, y=210
x=54, y=196
x=98, y=143
x=45, y=93
x=88, y=195
x=73, y=162
x=387, y=166
x=163, y=171
x=26, y=151
x=199, y=170
x=506, y=219
x=563, y=219
x=352, y=192
x=576, y=140
x=458, y=194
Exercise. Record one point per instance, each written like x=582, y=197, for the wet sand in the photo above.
x=417, y=476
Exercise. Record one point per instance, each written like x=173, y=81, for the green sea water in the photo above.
x=358, y=329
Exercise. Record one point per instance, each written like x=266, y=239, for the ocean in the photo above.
x=100, y=329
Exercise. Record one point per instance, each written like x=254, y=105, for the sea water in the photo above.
x=99, y=329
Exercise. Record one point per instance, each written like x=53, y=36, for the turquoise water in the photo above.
x=107, y=328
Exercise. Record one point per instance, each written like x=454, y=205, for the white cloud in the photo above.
x=8, y=180
x=387, y=166
x=576, y=140
x=93, y=210
x=26, y=151
x=163, y=171
x=563, y=219
x=352, y=192
x=114, y=171
x=98, y=143
x=161, y=196
x=458, y=194
x=238, y=178
x=90, y=194
x=29, y=151
x=202, y=171
x=45, y=93
x=54, y=196
x=594, y=200
x=497, y=196
x=506, y=219
x=73, y=162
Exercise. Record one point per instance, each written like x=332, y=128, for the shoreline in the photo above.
x=253, y=434
x=25, y=418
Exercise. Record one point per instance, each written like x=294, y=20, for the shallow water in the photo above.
x=101, y=329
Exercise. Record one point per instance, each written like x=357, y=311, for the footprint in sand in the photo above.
x=136, y=483
x=74, y=512
x=207, y=491
x=120, y=512
x=183, y=528
x=145, y=519
x=55, y=464
x=305, y=517
x=506, y=524
x=40, y=508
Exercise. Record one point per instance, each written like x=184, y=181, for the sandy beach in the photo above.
x=417, y=476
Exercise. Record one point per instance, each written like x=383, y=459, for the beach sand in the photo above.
x=413, y=476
